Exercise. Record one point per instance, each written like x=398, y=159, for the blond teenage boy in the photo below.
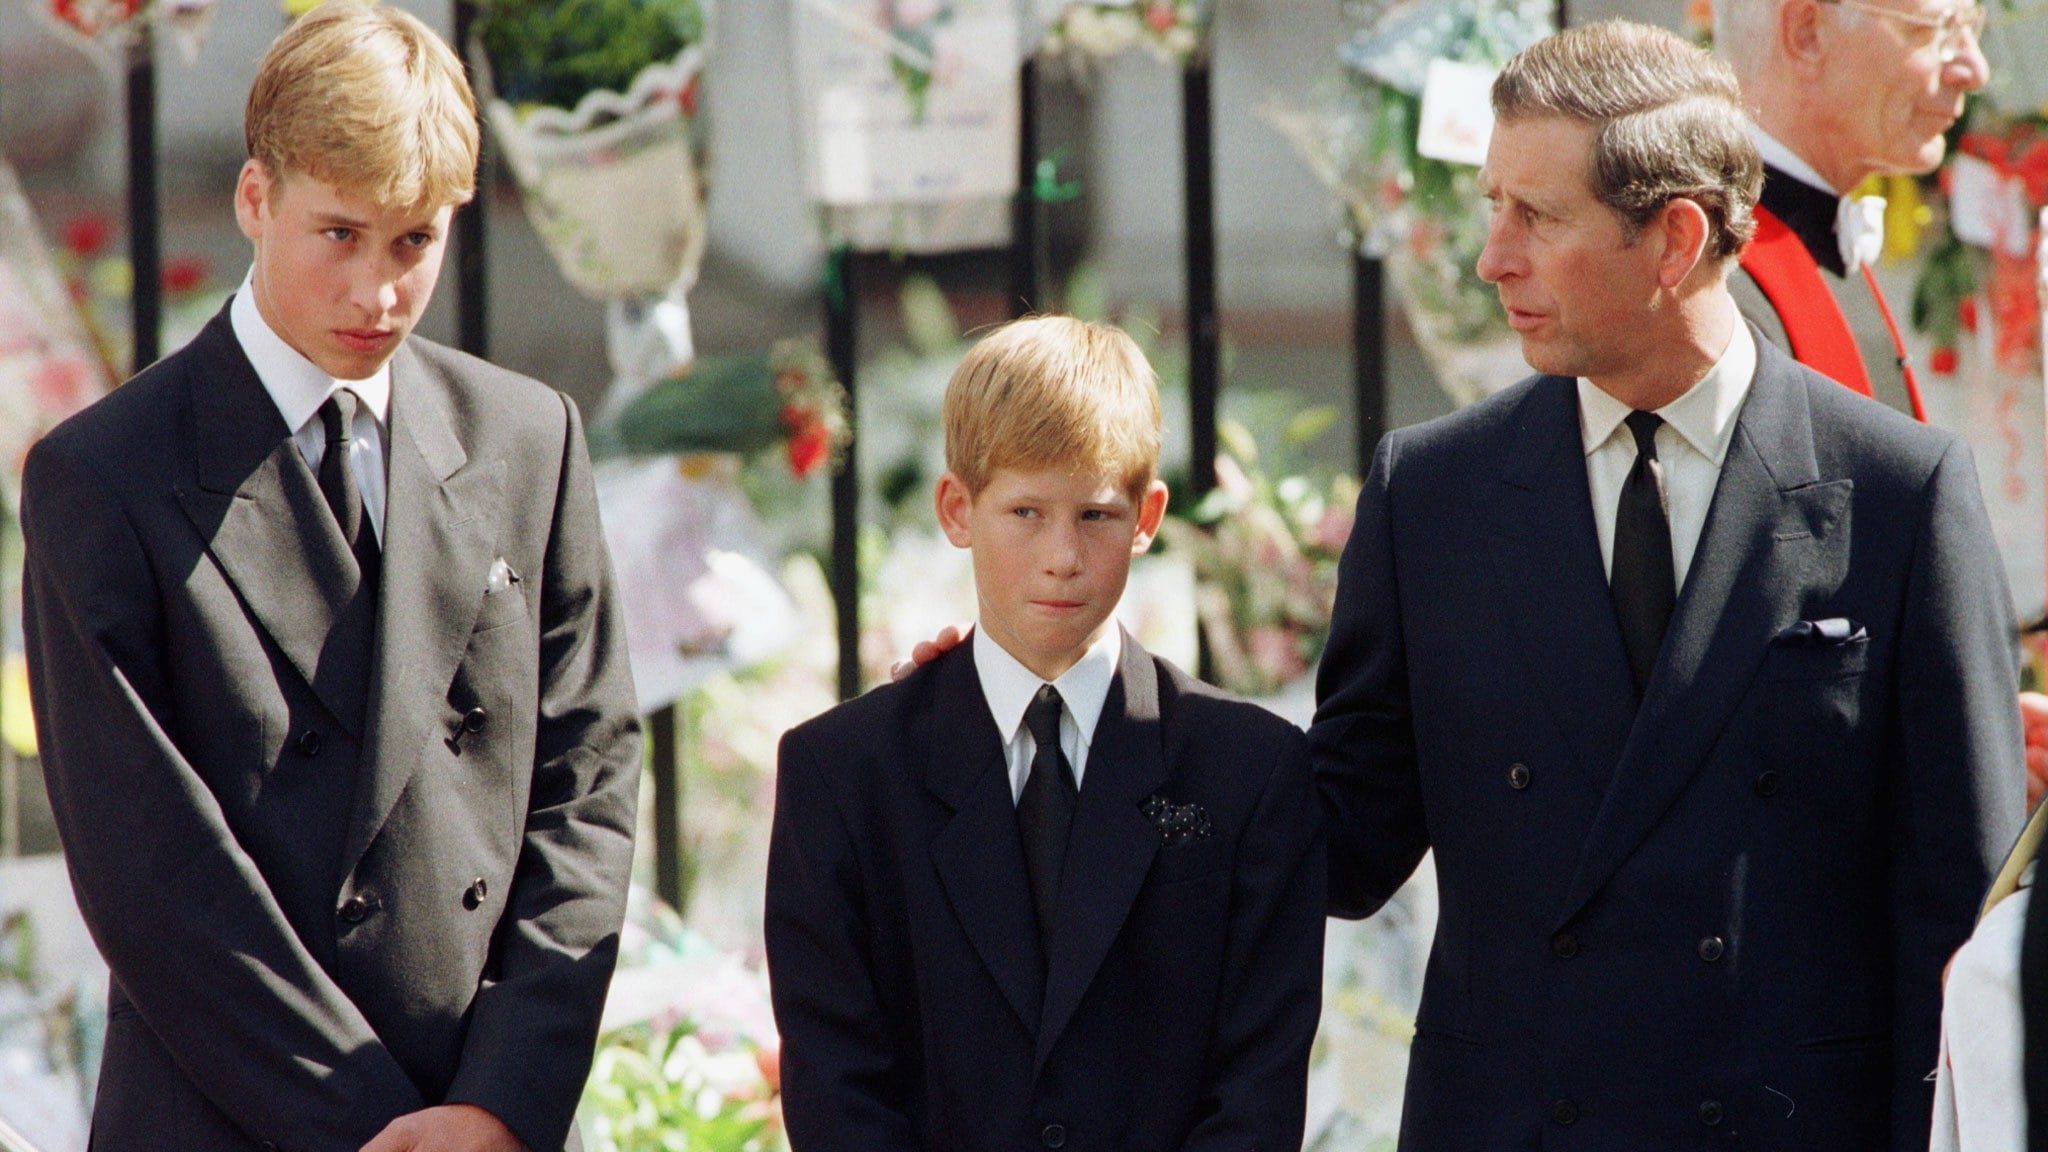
x=334, y=710
x=1048, y=891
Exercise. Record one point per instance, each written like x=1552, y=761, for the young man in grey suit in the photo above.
x=1695, y=669
x=328, y=672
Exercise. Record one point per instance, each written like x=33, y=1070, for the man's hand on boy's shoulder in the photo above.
x=447, y=1128
x=926, y=651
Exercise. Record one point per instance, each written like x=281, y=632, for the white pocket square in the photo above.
x=502, y=576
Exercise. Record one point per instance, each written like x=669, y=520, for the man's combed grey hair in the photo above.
x=1668, y=118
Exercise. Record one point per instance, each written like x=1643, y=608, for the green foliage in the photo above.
x=554, y=52
x=646, y=1094
x=725, y=404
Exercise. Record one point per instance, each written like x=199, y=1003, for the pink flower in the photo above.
x=1333, y=531
x=1275, y=653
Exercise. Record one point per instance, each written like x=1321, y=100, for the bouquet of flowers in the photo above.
x=1265, y=552
x=2000, y=269
x=786, y=398
x=111, y=24
x=1100, y=29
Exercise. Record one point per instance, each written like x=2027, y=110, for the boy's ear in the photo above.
x=253, y=189
x=953, y=502
x=1151, y=513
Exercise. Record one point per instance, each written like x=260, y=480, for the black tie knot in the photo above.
x=338, y=415
x=1644, y=425
x=1042, y=718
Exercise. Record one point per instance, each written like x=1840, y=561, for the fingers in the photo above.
x=925, y=651
x=396, y=1137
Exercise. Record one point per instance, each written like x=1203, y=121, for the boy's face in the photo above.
x=1051, y=553
x=341, y=280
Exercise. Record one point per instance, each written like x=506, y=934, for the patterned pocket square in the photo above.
x=1177, y=823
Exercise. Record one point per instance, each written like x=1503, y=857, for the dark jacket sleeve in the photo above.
x=1957, y=793
x=194, y=938
x=1273, y=972
x=1363, y=738
x=534, y=1025
x=844, y=1083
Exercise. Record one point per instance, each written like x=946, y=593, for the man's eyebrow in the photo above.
x=337, y=220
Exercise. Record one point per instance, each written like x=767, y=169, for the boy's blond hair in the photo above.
x=1054, y=392
x=369, y=100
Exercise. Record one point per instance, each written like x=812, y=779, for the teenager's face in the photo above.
x=341, y=280
x=1051, y=553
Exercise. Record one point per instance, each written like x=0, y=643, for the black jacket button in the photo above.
x=473, y=897
x=1054, y=1136
x=1518, y=777
x=1711, y=948
x=1767, y=784
x=309, y=742
x=1564, y=1113
x=473, y=720
x=1710, y=1112
x=356, y=909
x=1564, y=945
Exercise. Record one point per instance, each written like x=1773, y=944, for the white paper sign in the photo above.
x=1987, y=209
x=915, y=103
x=1457, y=112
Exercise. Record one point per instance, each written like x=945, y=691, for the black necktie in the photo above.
x=1045, y=809
x=338, y=485
x=1643, y=582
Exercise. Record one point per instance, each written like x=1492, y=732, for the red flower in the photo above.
x=1943, y=361
x=809, y=447
x=1159, y=15
x=185, y=273
x=1966, y=313
x=85, y=236
x=688, y=97
x=795, y=416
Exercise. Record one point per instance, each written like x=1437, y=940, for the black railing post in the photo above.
x=472, y=285
x=1205, y=330
x=1369, y=353
x=1025, y=243
x=841, y=344
x=145, y=229
x=664, y=747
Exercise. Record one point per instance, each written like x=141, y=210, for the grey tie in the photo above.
x=338, y=485
x=1045, y=810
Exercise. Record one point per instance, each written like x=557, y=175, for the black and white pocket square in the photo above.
x=1821, y=633
x=1177, y=823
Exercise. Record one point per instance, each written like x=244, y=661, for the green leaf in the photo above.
x=1310, y=423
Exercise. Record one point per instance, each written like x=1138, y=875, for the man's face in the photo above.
x=341, y=280
x=1052, y=550
x=1573, y=287
x=1890, y=93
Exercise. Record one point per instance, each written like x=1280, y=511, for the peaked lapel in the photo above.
x=259, y=509
x=1547, y=553
x=436, y=566
x=1774, y=530
x=1111, y=846
x=978, y=854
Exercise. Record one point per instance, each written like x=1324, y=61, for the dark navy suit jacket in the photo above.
x=1181, y=995
x=1719, y=918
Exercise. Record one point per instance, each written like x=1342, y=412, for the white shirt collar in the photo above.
x=1704, y=417
x=1777, y=155
x=1009, y=686
x=297, y=385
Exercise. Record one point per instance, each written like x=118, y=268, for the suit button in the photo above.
x=1711, y=948
x=473, y=720
x=1564, y=945
x=1710, y=1112
x=356, y=909
x=1564, y=1113
x=309, y=742
x=1518, y=777
x=1054, y=1136
x=473, y=898
x=1767, y=784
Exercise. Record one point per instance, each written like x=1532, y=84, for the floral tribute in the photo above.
x=1101, y=29
x=111, y=24
x=913, y=27
x=1963, y=286
x=786, y=398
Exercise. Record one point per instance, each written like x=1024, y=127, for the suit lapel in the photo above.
x=1547, y=554
x=1112, y=844
x=1773, y=531
x=436, y=564
x=978, y=855
x=259, y=509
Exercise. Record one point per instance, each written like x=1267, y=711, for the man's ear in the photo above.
x=1682, y=227
x=1797, y=31
x=1151, y=513
x=253, y=190
x=953, y=502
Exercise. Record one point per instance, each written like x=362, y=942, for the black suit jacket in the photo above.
x=1181, y=996
x=335, y=882
x=1721, y=915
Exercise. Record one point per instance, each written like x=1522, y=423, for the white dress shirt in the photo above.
x=1980, y=1095
x=298, y=387
x=1691, y=444
x=1008, y=686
